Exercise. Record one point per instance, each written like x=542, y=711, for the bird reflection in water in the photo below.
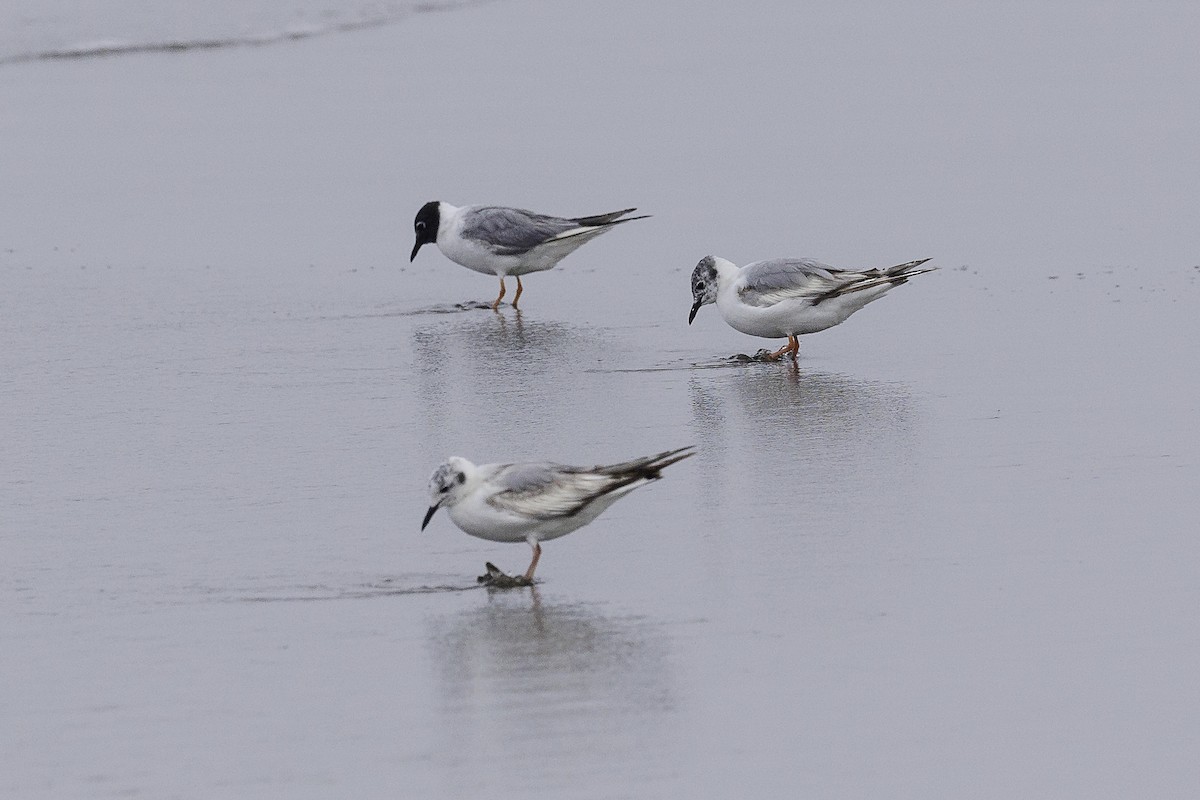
x=780, y=434
x=538, y=693
x=469, y=368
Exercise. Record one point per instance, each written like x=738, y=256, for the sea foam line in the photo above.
x=106, y=48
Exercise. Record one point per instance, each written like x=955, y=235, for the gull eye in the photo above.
x=460, y=478
x=420, y=226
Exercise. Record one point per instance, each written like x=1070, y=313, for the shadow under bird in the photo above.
x=790, y=296
x=535, y=502
x=502, y=241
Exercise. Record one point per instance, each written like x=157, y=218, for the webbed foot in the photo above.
x=498, y=579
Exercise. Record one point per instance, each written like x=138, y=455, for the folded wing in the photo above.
x=547, y=490
x=513, y=231
x=765, y=283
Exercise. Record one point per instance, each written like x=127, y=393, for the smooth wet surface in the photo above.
x=950, y=552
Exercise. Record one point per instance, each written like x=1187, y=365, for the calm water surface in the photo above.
x=950, y=553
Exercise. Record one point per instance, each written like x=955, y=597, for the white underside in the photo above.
x=474, y=515
x=791, y=317
x=476, y=256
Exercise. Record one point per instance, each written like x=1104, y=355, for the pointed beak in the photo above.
x=416, y=247
x=692, y=315
x=429, y=515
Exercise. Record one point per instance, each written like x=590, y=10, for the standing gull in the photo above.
x=538, y=501
x=501, y=241
x=790, y=296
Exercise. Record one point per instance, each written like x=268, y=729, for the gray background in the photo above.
x=952, y=554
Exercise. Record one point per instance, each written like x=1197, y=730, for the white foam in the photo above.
x=37, y=30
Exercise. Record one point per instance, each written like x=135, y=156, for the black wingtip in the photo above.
x=609, y=219
x=907, y=270
x=668, y=457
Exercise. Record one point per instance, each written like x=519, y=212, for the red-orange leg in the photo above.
x=496, y=305
x=537, y=553
x=517, y=296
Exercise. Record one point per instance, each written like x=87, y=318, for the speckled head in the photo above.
x=704, y=285
x=426, y=225
x=445, y=484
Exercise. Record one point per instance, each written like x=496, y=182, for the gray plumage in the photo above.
x=535, y=502
x=514, y=231
x=548, y=490
x=768, y=282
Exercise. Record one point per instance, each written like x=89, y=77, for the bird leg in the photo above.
x=499, y=297
x=791, y=348
x=775, y=356
x=537, y=553
x=517, y=296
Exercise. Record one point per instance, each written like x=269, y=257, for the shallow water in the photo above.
x=951, y=552
x=42, y=30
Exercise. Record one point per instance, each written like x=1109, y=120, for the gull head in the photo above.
x=426, y=226
x=704, y=285
x=446, y=485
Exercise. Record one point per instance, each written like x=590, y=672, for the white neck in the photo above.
x=446, y=216
x=727, y=271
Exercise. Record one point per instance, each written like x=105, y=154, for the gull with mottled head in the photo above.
x=501, y=241
x=535, y=502
x=790, y=296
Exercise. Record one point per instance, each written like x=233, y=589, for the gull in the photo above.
x=790, y=296
x=497, y=240
x=535, y=502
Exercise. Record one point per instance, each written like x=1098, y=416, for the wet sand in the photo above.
x=950, y=553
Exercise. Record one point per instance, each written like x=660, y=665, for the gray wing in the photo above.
x=546, y=491
x=765, y=283
x=513, y=231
